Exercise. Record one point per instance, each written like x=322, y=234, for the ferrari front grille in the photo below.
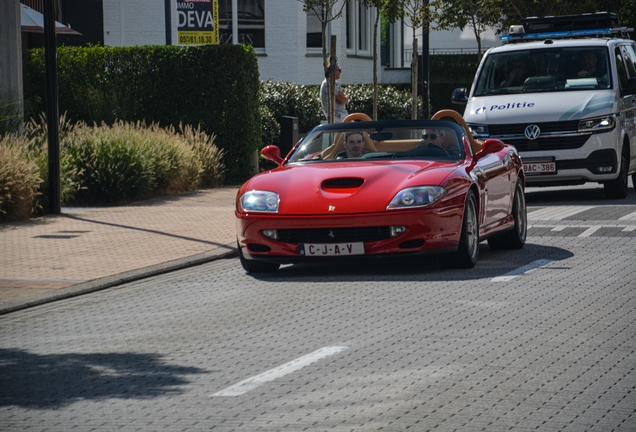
x=333, y=235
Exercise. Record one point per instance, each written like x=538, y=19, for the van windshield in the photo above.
x=549, y=70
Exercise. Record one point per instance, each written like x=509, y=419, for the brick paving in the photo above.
x=75, y=250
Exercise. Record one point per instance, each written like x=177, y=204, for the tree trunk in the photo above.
x=375, y=65
x=414, y=79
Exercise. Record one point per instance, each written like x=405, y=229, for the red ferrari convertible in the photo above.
x=377, y=188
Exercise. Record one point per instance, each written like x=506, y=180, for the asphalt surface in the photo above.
x=88, y=249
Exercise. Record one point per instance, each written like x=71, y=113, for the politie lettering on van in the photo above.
x=563, y=92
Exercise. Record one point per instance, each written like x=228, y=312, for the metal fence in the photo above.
x=408, y=52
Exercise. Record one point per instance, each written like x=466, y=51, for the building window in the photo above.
x=314, y=30
x=363, y=28
x=359, y=32
x=251, y=22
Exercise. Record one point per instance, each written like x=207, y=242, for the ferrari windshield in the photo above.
x=545, y=70
x=363, y=141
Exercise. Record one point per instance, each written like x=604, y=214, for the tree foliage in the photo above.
x=477, y=15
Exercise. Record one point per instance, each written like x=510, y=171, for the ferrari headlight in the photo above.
x=597, y=124
x=260, y=201
x=419, y=196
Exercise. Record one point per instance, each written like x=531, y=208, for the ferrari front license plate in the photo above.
x=330, y=249
x=539, y=168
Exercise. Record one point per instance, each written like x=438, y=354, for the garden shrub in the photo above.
x=19, y=180
x=289, y=99
x=167, y=85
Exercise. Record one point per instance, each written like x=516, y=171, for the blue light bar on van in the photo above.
x=558, y=34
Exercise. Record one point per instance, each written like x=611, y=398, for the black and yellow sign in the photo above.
x=198, y=22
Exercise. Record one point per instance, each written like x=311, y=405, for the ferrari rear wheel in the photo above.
x=516, y=238
x=253, y=266
x=468, y=251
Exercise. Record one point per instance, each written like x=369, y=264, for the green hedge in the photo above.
x=448, y=72
x=290, y=99
x=215, y=87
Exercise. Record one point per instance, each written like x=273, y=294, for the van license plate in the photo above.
x=539, y=168
x=330, y=249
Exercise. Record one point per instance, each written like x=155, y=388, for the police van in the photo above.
x=562, y=90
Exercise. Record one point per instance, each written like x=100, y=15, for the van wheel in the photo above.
x=253, y=266
x=617, y=189
x=515, y=238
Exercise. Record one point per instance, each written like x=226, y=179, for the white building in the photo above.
x=287, y=40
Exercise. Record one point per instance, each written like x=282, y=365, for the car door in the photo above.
x=628, y=102
x=497, y=184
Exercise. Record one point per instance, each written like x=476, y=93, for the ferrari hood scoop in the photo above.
x=342, y=184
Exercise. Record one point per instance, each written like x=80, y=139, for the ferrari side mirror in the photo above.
x=272, y=153
x=489, y=146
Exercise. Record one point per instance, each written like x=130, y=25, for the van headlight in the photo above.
x=479, y=131
x=598, y=124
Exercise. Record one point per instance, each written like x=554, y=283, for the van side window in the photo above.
x=620, y=68
x=629, y=55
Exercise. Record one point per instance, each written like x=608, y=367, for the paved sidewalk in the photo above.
x=87, y=249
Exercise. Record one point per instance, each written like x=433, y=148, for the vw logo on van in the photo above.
x=532, y=132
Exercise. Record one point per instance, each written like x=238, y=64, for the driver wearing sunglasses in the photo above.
x=436, y=138
x=432, y=137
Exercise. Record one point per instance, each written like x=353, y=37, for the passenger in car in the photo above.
x=522, y=69
x=354, y=146
x=591, y=68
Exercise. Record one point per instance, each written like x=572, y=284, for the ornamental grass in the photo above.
x=105, y=164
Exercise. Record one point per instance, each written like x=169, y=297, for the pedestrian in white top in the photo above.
x=340, y=111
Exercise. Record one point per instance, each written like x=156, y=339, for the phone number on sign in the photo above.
x=196, y=39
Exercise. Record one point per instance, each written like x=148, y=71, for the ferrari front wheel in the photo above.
x=468, y=251
x=515, y=238
x=253, y=266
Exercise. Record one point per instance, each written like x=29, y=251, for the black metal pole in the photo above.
x=426, y=93
x=168, y=7
x=52, y=108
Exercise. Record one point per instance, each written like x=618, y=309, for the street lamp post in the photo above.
x=52, y=108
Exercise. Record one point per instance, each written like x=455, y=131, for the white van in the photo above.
x=563, y=92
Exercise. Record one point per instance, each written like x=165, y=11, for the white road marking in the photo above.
x=559, y=228
x=629, y=228
x=272, y=374
x=591, y=230
x=631, y=216
x=521, y=270
x=557, y=213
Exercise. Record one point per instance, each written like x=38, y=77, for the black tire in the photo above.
x=515, y=238
x=617, y=189
x=468, y=250
x=253, y=266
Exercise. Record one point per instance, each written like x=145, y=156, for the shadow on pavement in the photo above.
x=491, y=263
x=576, y=195
x=50, y=381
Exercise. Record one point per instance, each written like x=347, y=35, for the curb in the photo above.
x=227, y=251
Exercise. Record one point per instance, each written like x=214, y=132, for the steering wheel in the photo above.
x=437, y=148
x=356, y=117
